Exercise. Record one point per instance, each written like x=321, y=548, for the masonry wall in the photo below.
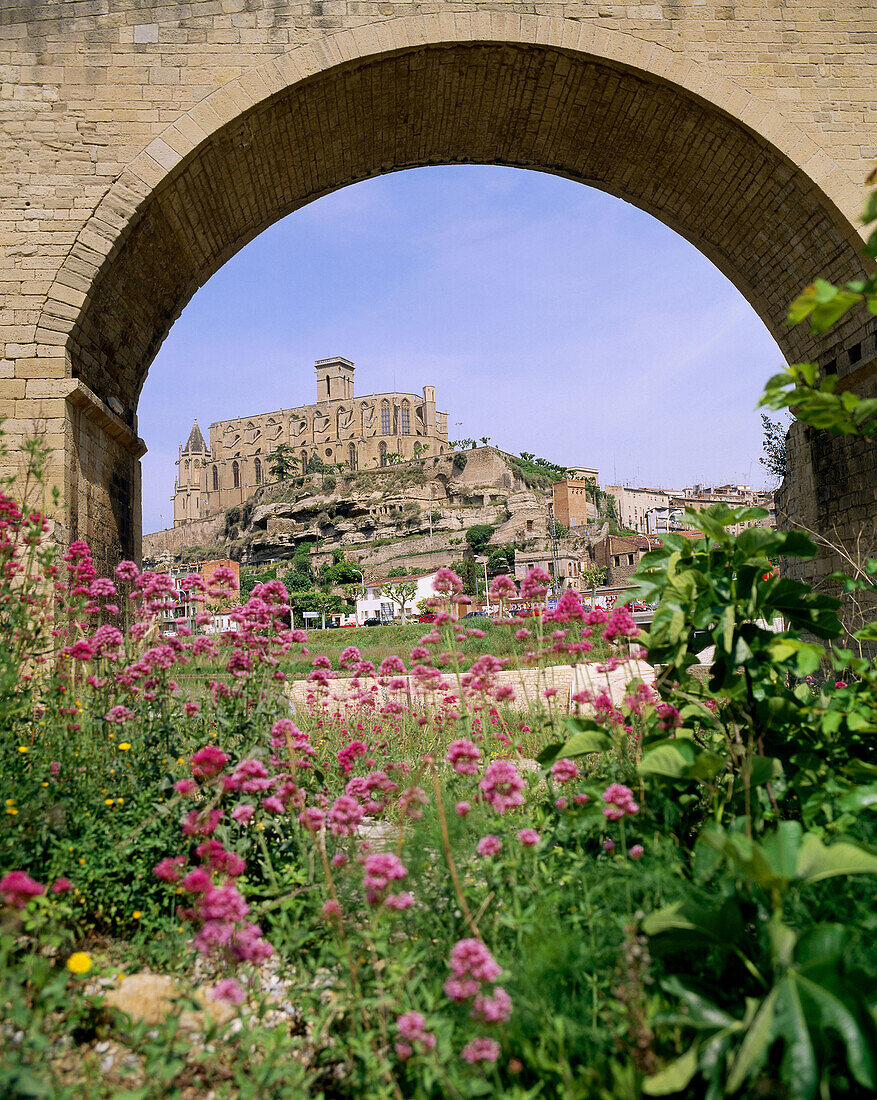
x=142, y=144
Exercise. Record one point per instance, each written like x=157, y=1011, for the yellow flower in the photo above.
x=11, y=810
x=23, y=748
x=79, y=963
x=120, y=801
x=41, y=722
x=44, y=784
x=10, y=801
x=136, y=914
x=124, y=746
x=82, y=861
x=108, y=802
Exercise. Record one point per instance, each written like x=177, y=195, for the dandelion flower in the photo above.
x=124, y=746
x=79, y=963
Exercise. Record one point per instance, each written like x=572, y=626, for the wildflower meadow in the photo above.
x=418, y=880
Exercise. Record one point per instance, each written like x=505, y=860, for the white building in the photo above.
x=375, y=605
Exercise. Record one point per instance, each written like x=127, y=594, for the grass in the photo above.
x=377, y=642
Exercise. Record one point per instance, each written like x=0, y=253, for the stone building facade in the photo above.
x=571, y=505
x=339, y=429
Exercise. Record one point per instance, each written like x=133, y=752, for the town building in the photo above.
x=374, y=604
x=339, y=429
x=183, y=611
x=573, y=565
x=572, y=507
x=657, y=511
x=620, y=555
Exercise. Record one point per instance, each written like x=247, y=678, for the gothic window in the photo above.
x=352, y=456
x=236, y=475
x=257, y=466
x=382, y=450
x=304, y=462
x=405, y=426
x=215, y=479
x=187, y=471
x=385, y=420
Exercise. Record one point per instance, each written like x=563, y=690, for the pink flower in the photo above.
x=609, y=844
x=229, y=991
x=528, y=837
x=463, y=756
x=196, y=882
x=379, y=871
x=502, y=786
x=495, y=1009
x=208, y=762
x=243, y=813
x=447, y=581
x=61, y=885
x=470, y=958
x=411, y=802
x=581, y=798
x=273, y=805
x=345, y=815
x=399, y=901
x=461, y=989
x=331, y=909
x=169, y=869
x=535, y=584
x=564, y=771
x=480, y=1050
x=119, y=714
x=840, y=683
x=637, y=851
x=312, y=819
x=201, y=824
x=619, y=802
x=191, y=709
x=462, y=808
x=185, y=786
x=502, y=588
x=489, y=845
x=127, y=571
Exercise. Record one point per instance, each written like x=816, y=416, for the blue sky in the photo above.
x=549, y=316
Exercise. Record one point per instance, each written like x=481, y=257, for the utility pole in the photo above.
x=555, y=555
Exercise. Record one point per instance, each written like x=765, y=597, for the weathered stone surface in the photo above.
x=140, y=150
x=153, y=997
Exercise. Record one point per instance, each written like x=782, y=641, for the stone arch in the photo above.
x=640, y=120
x=382, y=453
x=257, y=470
x=215, y=480
x=235, y=474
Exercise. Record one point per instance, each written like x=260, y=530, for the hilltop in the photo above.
x=414, y=513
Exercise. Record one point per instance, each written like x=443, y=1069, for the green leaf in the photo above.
x=753, y=1049
x=840, y=1013
x=816, y=861
x=587, y=737
x=680, y=760
x=673, y=1077
x=861, y=798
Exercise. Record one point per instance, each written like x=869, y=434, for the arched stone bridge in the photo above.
x=143, y=144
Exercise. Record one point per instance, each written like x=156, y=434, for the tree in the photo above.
x=774, y=446
x=401, y=593
x=485, y=439
x=398, y=571
x=479, y=535
x=590, y=577
x=282, y=462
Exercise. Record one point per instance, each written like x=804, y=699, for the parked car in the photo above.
x=527, y=613
x=478, y=615
x=374, y=622
x=427, y=617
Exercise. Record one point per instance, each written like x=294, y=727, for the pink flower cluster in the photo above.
x=619, y=802
x=463, y=756
x=17, y=888
x=502, y=786
x=412, y=1029
x=472, y=966
x=379, y=871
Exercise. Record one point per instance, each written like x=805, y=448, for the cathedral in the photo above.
x=338, y=430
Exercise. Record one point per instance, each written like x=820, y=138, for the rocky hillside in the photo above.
x=383, y=517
